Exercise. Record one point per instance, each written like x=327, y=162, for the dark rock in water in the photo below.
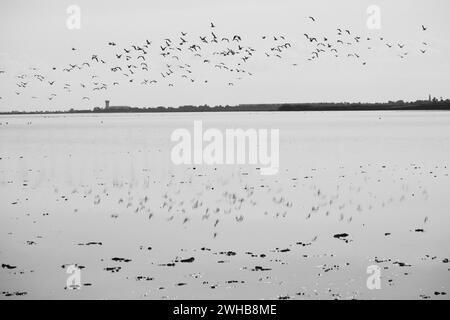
x=259, y=268
x=401, y=264
x=120, y=259
x=181, y=284
x=64, y=266
x=380, y=260
x=144, y=278
x=73, y=287
x=387, y=234
x=234, y=281
x=281, y=250
x=16, y=293
x=112, y=269
x=228, y=253
x=188, y=260
x=171, y=264
x=340, y=235
x=8, y=266
x=92, y=243
x=419, y=230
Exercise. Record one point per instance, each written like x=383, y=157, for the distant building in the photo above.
x=109, y=107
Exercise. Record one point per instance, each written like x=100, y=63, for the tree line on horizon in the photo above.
x=432, y=104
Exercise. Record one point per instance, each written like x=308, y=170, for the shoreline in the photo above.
x=445, y=106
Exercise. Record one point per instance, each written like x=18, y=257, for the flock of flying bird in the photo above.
x=181, y=55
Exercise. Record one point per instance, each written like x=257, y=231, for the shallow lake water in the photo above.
x=354, y=190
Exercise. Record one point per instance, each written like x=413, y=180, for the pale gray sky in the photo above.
x=34, y=34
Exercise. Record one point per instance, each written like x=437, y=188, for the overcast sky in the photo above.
x=34, y=34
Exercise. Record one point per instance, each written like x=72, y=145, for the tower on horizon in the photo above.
x=114, y=108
